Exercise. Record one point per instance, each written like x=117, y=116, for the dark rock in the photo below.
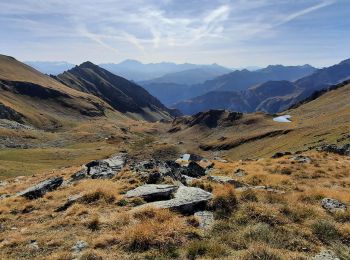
x=71, y=200
x=41, y=188
x=280, y=154
x=154, y=178
x=193, y=170
x=332, y=148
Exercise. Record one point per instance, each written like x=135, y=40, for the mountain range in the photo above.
x=172, y=91
x=271, y=96
x=50, y=67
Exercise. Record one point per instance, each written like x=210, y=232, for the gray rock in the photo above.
x=190, y=157
x=326, y=255
x=188, y=179
x=186, y=200
x=302, y=159
x=205, y=218
x=71, y=200
x=227, y=180
x=33, y=244
x=152, y=192
x=261, y=187
x=80, y=246
x=333, y=205
x=3, y=183
x=41, y=188
x=240, y=173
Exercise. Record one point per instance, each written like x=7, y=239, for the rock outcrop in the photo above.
x=227, y=180
x=187, y=200
x=332, y=148
x=41, y=188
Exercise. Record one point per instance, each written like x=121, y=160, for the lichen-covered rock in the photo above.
x=152, y=192
x=186, y=200
x=80, y=246
x=205, y=218
x=333, y=205
x=41, y=188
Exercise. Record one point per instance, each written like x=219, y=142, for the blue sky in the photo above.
x=233, y=33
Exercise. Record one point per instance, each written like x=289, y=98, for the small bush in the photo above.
x=325, y=230
x=224, y=201
x=200, y=248
x=261, y=252
x=98, y=195
x=249, y=195
x=94, y=223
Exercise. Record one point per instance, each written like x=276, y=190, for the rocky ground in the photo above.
x=128, y=206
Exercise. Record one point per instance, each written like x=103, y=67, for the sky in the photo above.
x=233, y=33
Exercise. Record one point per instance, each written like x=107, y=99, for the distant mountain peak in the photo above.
x=87, y=64
x=345, y=61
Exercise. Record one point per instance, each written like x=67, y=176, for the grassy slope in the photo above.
x=322, y=120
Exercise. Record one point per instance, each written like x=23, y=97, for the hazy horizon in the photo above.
x=232, y=33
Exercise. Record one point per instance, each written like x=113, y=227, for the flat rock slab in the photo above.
x=186, y=200
x=227, y=180
x=152, y=192
x=205, y=218
x=333, y=205
x=326, y=255
x=263, y=188
x=41, y=188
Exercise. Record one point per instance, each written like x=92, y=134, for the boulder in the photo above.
x=187, y=200
x=79, y=246
x=333, y=205
x=326, y=255
x=193, y=170
x=205, y=218
x=190, y=157
x=227, y=180
x=41, y=188
x=152, y=192
x=302, y=159
x=154, y=178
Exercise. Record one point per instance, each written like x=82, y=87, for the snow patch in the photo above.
x=283, y=119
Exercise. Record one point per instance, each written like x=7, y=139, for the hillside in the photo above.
x=270, y=96
x=123, y=95
x=40, y=100
x=324, y=119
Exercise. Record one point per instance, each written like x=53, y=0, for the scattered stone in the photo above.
x=333, y=205
x=193, y=170
x=188, y=180
x=186, y=200
x=240, y=173
x=280, y=154
x=302, y=159
x=33, y=244
x=227, y=180
x=190, y=157
x=152, y=192
x=40, y=189
x=220, y=160
x=261, y=187
x=80, y=246
x=326, y=255
x=3, y=183
x=71, y=200
x=332, y=148
x=4, y=196
x=205, y=218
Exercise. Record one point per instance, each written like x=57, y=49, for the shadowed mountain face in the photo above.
x=271, y=96
x=28, y=96
x=123, y=95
